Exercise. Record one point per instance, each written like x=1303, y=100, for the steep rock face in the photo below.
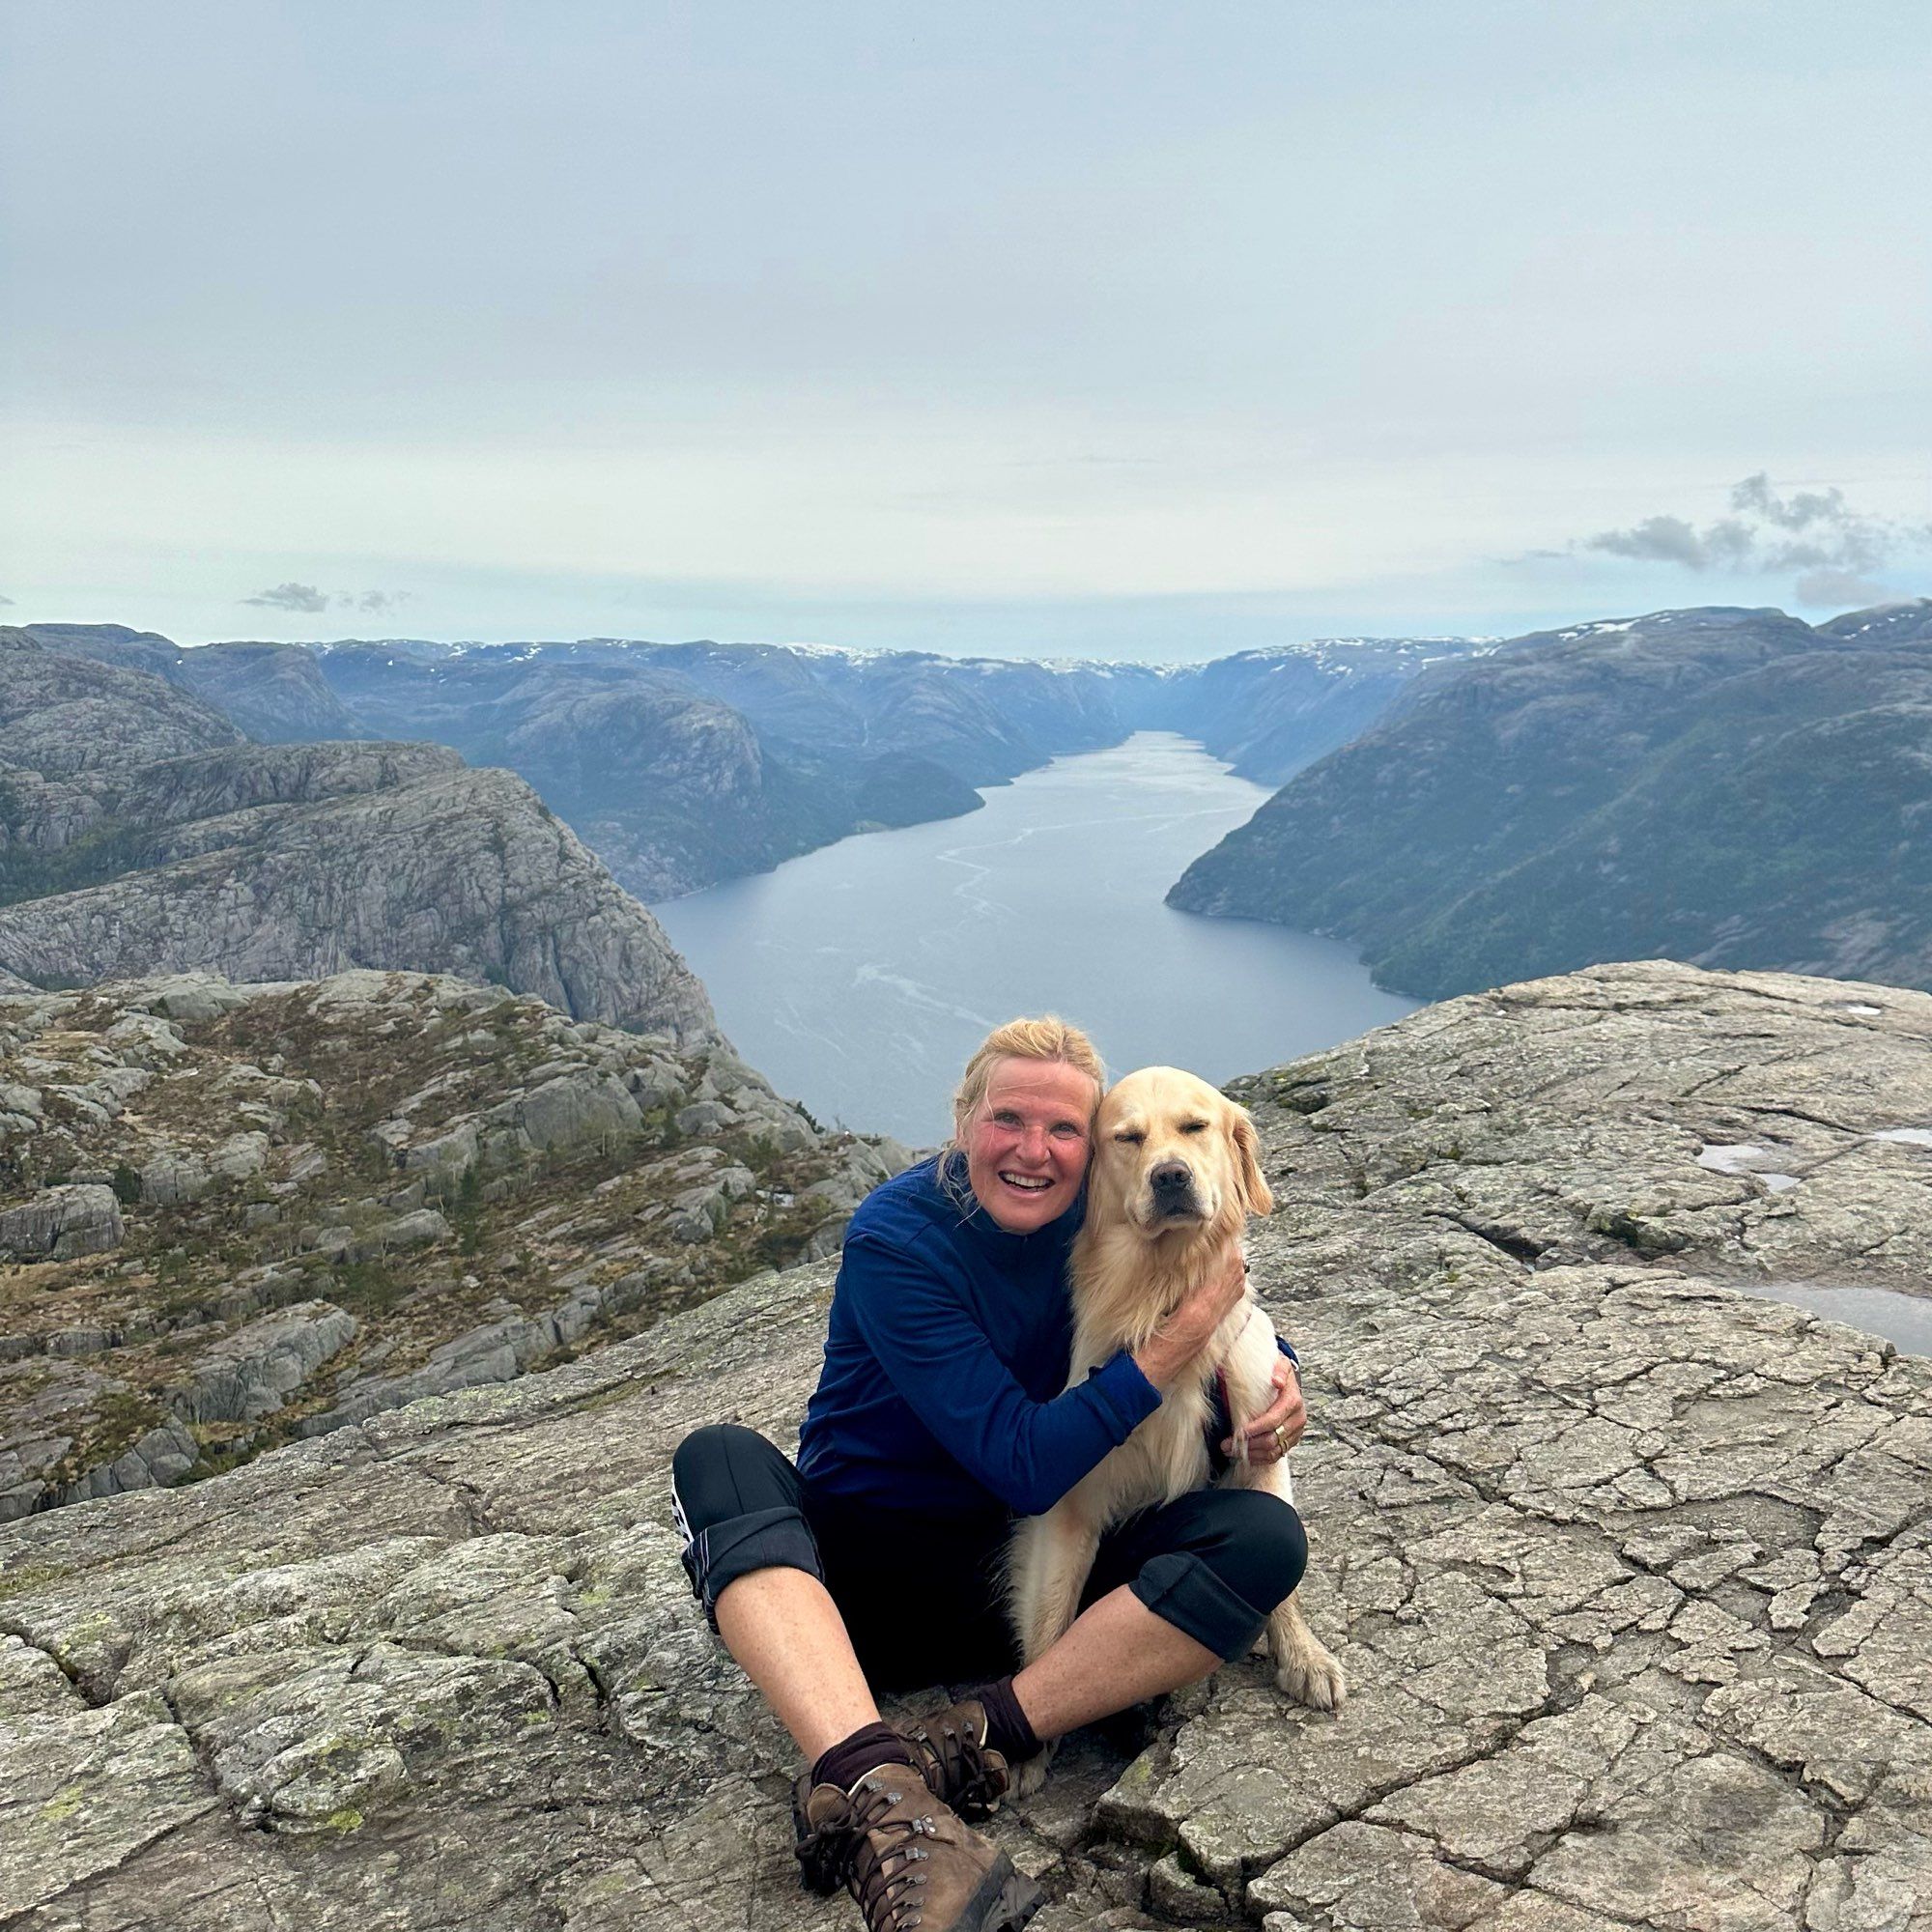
x=1633, y=1575
x=460, y=871
x=1726, y=785
x=113, y=821
x=213, y=1193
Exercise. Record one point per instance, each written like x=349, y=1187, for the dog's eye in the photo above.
x=1194, y=1126
x=1130, y=1137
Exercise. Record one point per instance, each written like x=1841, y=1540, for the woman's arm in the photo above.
x=939, y=1360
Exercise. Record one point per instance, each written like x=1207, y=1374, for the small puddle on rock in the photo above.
x=1745, y=1157
x=1905, y=1320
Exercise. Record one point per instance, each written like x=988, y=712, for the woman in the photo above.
x=939, y=1416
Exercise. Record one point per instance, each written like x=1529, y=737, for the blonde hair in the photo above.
x=1042, y=1037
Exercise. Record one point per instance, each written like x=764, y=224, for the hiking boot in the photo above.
x=958, y=1768
x=906, y=1857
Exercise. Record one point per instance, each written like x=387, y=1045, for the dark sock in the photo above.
x=1008, y=1730
x=866, y=1749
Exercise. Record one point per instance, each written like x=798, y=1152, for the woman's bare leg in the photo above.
x=787, y=1637
x=1116, y=1654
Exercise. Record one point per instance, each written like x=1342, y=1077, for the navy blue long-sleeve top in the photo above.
x=945, y=1363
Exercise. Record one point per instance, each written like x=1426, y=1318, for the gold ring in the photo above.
x=1281, y=1436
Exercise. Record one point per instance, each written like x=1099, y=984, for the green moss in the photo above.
x=30, y=1576
x=606, y=1398
x=64, y=1803
x=348, y=1819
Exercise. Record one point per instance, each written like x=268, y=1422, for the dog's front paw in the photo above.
x=1310, y=1676
x=1023, y=1780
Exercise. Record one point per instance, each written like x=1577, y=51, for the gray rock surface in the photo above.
x=62, y=1222
x=1631, y=1573
x=455, y=870
x=248, y=1372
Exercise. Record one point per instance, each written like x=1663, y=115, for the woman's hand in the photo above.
x=1183, y=1336
x=1285, y=1412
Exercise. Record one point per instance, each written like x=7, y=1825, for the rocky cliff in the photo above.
x=1632, y=1570
x=235, y=1214
x=61, y=714
x=1727, y=787
x=139, y=834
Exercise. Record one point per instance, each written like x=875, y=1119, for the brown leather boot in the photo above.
x=907, y=1859
x=959, y=1770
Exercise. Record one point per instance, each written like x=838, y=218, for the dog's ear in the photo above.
x=1255, y=1195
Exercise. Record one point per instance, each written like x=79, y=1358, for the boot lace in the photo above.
x=966, y=1780
x=888, y=1880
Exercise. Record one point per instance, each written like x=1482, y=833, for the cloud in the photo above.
x=307, y=597
x=1671, y=540
x=1816, y=532
x=1841, y=587
x=6, y=603
x=291, y=597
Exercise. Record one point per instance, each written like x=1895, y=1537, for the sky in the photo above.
x=1118, y=330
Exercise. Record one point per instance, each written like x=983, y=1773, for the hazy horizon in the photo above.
x=962, y=650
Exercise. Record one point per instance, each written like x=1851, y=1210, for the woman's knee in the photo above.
x=739, y=1506
x=725, y=1470
x=1257, y=1545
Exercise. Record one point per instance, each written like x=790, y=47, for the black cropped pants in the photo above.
x=920, y=1596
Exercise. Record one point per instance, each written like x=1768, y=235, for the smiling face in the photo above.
x=1174, y=1157
x=1026, y=1141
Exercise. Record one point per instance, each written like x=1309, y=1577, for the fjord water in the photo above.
x=859, y=977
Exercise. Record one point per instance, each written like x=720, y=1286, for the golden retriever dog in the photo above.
x=1173, y=1178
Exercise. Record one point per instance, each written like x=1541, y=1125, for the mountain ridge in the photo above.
x=1729, y=787
x=683, y=764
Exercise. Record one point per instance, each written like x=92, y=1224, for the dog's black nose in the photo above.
x=1171, y=1176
